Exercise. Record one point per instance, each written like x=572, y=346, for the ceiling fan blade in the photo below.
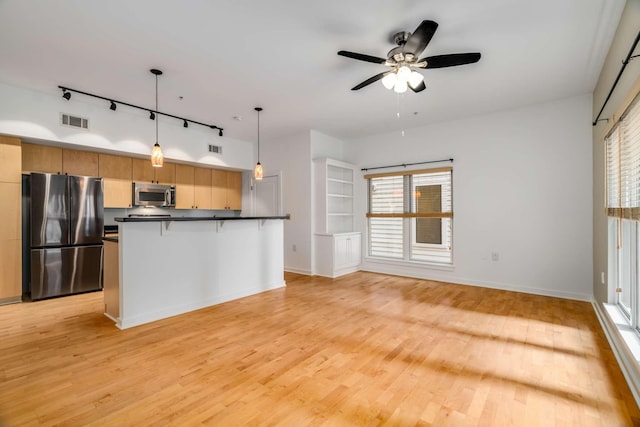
x=451, y=60
x=420, y=38
x=362, y=57
x=371, y=80
x=420, y=87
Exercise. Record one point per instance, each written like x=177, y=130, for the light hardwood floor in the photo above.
x=365, y=349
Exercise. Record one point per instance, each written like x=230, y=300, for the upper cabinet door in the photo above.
x=184, y=187
x=41, y=158
x=116, y=172
x=10, y=159
x=202, y=188
x=234, y=190
x=218, y=189
x=166, y=174
x=142, y=171
x=83, y=163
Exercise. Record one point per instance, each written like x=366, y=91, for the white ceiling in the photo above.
x=224, y=57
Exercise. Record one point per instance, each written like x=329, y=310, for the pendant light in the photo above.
x=156, y=153
x=257, y=172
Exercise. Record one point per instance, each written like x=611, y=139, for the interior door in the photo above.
x=267, y=196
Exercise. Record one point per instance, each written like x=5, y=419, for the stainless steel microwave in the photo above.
x=160, y=195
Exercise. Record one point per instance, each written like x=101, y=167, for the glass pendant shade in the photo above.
x=157, y=159
x=403, y=73
x=389, y=80
x=400, y=87
x=415, y=78
x=257, y=172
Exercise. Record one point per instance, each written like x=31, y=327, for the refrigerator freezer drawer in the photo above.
x=65, y=271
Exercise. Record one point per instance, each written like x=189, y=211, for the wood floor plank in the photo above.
x=365, y=349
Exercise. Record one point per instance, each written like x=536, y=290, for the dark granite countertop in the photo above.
x=113, y=238
x=205, y=218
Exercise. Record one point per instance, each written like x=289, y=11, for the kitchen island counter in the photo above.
x=151, y=218
x=173, y=265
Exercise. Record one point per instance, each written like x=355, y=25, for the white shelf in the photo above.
x=334, y=184
x=341, y=181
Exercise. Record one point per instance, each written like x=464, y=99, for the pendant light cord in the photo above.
x=258, y=136
x=157, y=116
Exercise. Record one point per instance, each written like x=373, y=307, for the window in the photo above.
x=622, y=146
x=410, y=215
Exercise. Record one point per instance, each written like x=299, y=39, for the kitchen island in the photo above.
x=173, y=265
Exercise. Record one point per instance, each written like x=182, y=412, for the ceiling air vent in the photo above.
x=73, y=121
x=215, y=149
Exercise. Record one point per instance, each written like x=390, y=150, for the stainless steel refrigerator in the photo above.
x=67, y=221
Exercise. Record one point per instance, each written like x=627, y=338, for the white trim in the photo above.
x=297, y=271
x=624, y=342
x=438, y=273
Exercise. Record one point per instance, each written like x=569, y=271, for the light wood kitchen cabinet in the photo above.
x=166, y=174
x=193, y=187
x=41, y=158
x=202, y=188
x=185, y=196
x=10, y=271
x=83, y=163
x=226, y=189
x=111, y=291
x=142, y=171
x=116, y=173
x=10, y=159
x=10, y=220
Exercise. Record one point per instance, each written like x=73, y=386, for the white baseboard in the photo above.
x=444, y=275
x=297, y=270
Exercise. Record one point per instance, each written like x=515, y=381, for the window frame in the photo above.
x=409, y=216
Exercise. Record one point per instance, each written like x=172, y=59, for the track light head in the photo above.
x=66, y=95
x=220, y=132
x=185, y=124
x=113, y=106
x=152, y=115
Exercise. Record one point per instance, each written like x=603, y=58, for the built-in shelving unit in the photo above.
x=334, y=187
x=337, y=246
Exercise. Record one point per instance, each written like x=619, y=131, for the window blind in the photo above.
x=406, y=194
x=622, y=146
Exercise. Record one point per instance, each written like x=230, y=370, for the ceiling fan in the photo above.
x=404, y=58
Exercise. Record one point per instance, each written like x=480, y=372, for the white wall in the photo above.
x=625, y=34
x=292, y=157
x=36, y=115
x=522, y=188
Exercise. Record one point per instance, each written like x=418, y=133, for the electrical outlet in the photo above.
x=602, y=277
x=495, y=256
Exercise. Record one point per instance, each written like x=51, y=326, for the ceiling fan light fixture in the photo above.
x=400, y=87
x=404, y=72
x=415, y=78
x=389, y=80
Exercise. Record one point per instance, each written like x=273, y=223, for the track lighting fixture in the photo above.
x=157, y=159
x=66, y=94
x=258, y=173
